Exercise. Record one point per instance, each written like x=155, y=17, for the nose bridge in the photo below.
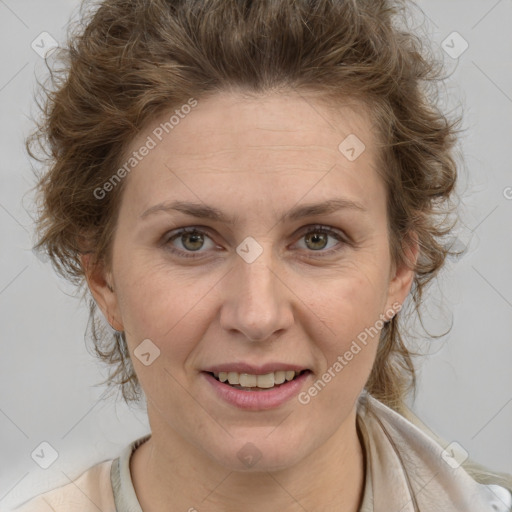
x=257, y=304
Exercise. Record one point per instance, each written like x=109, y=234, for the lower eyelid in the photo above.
x=168, y=239
x=191, y=254
x=341, y=243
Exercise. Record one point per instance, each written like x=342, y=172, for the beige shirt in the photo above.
x=406, y=471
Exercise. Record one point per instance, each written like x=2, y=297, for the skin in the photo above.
x=253, y=158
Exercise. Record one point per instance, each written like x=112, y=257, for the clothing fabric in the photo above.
x=410, y=472
x=405, y=470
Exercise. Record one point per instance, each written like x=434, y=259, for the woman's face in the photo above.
x=287, y=266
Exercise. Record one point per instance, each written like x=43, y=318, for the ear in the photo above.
x=100, y=284
x=402, y=276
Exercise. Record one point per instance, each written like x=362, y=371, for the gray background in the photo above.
x=48, y=379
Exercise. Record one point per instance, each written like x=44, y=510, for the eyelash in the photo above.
x=314, y=229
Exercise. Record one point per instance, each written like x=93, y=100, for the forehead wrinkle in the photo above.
x=272, y=147
x=282, y=168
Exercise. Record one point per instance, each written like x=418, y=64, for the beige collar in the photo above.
x=406, y=471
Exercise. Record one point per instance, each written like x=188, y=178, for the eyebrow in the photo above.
x=203, y=211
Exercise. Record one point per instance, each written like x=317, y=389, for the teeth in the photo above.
x=279, y=377
x=232, y=377
x=289, y=375
x=247, y=380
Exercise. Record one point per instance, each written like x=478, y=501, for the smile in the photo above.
x=247, y=391
x=251, y=382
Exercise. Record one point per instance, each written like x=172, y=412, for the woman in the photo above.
x=250, y=191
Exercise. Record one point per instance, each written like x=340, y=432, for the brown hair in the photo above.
x=135, y=59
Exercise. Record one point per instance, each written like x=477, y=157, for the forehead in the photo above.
x=258, y=146
x=294, y=121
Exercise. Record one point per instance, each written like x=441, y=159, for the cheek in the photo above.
x=167, y=307
x=349, y=301
x=347, y=348
x=172, y=312
x=346, y=327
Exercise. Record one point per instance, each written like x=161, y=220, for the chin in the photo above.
x=258, y=454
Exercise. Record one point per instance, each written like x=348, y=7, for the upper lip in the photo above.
x=254, y=369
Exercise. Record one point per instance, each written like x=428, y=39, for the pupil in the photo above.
x=195, y=237
x=315, y=237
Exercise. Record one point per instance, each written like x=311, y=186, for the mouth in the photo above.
x=252, y=382
x=257, y=391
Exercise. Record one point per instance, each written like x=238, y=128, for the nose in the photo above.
x=257, y=302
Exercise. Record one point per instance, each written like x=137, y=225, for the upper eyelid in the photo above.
x=332, y=231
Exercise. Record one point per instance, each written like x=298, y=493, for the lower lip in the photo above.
x=257, y=400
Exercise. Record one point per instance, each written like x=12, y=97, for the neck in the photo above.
x=169, y=472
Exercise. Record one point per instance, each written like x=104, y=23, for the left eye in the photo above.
x=317, y=238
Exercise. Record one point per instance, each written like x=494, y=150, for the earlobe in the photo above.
x=100, y=285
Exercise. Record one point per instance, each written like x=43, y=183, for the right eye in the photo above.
x=190, y=240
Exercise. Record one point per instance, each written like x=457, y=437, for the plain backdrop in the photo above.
x=48, y=380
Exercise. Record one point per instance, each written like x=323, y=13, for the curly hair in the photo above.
x=130, y=60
